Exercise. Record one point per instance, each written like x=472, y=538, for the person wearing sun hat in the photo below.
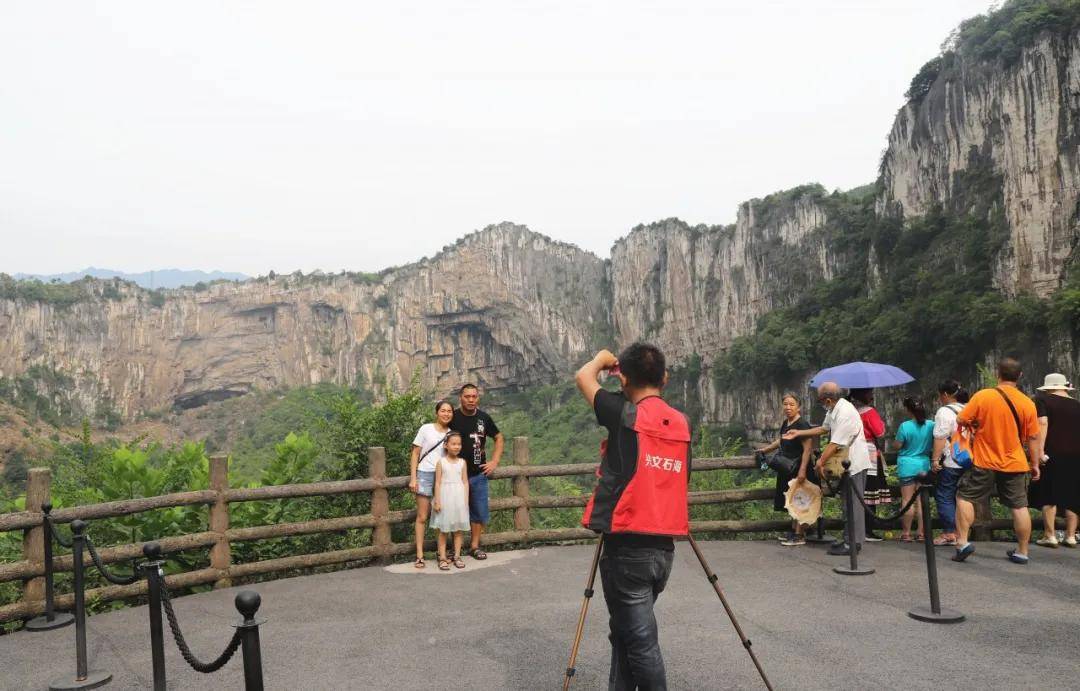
x=1059, y=440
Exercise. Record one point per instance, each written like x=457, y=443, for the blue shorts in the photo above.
x=425, y=483
x=478, y=500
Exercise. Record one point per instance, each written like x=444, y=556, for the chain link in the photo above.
x=185, y=651
x=835, y=491
x=109, y=575
x=64, y=542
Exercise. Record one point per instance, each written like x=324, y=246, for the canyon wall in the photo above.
x=1020, y=123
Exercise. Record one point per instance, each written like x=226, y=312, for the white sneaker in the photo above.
x=1047, y=541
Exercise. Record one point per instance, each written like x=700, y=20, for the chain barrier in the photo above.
x=894, y=517
x=60, y=539
x=834, y=490
x=185, y=651
x=109, y=575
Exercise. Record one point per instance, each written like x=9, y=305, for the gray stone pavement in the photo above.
x=510, y=625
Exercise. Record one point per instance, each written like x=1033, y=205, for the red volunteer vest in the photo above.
x=649, y=497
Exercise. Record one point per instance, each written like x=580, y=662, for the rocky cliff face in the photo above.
x=692, y=289
x=1023, y=123
x=504, y=306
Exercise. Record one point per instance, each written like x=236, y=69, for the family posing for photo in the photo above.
x=448, y=472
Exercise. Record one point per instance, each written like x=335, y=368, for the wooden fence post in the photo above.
x=38, y=481
x=521, y=484
x=380, y=503
x=220, y=553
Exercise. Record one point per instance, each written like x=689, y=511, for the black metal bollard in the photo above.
x=935, y=614
x=152, y=570
x=247, y=603
x=849, y=516
x=84, y=679
x=51, y=619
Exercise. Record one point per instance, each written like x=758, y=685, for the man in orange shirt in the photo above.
x=1004, y=421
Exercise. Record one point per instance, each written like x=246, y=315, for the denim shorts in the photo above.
x=908, y=481
x=425, y=483
x=478, y=500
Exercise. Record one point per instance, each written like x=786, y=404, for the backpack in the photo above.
x=960, y=444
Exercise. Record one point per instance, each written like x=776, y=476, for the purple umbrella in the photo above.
x=862, y=375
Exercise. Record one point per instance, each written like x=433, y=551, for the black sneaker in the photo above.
x=874, y=537
x=785, y=537
x=793, y=541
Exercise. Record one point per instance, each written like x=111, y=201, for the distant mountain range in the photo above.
x=160, y=278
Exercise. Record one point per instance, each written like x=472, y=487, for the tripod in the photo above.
x=712, y=578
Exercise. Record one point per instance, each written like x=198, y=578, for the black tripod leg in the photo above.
x=727, y=608
x=584, y=610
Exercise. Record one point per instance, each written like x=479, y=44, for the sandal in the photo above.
x=943, y=540
x=479, y=554
x=919, y=537
x=459, y=563
x=419, y=563
x=444, y=565
x=906, y=537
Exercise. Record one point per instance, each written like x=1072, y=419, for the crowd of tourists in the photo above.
x=998, y=439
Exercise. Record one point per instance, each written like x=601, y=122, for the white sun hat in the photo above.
x=803, y=501
x=1056, y=382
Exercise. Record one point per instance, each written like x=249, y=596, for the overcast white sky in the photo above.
x=358, y=135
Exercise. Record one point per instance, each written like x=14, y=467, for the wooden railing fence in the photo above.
x=219, y=536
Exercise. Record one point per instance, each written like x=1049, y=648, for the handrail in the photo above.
x=28, y=519
x=379, y=520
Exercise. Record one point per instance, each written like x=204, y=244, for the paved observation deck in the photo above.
x=508, y=624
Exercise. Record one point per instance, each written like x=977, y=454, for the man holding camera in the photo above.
x=639, y=504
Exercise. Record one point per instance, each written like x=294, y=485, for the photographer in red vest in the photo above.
x=639, y=504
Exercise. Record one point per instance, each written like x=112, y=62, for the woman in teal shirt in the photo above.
x=914, y=441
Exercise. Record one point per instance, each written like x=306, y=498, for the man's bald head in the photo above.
x=828, y=393
x=829, y=387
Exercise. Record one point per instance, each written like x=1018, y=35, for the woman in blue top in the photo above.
x=914, y=441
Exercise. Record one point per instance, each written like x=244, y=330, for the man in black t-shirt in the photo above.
x=638, y=548
x=475, y=427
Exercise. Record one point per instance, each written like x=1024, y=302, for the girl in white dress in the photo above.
x=451, y=501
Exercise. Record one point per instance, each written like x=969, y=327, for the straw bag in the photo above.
x=834, y=466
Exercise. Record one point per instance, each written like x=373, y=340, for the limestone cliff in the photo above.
x=692, y=289
x=1022, y=121
x=506, y=307
x=503, y=306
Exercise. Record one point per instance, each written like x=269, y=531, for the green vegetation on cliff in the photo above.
x=997, y=38
x=919, y=295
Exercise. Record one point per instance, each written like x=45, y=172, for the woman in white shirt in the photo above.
x=427, y=449
x=952, y=397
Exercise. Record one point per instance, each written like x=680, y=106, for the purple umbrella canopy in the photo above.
x=862, y=375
